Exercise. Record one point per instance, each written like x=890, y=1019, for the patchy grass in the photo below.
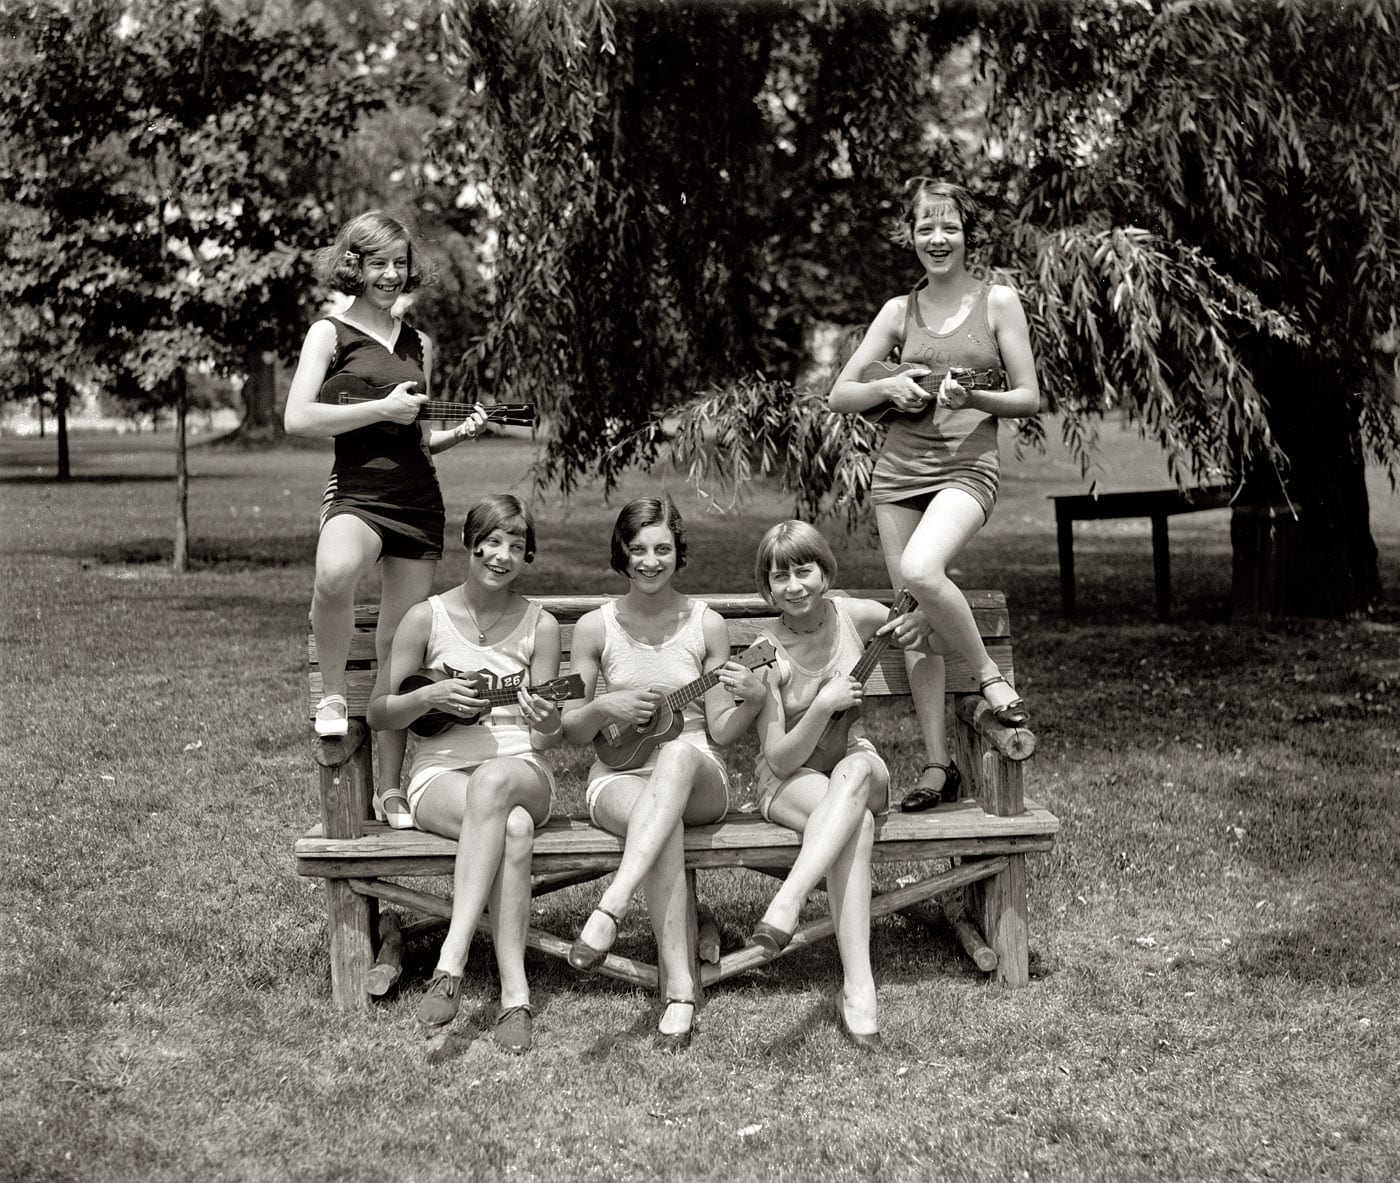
x=1215, y=937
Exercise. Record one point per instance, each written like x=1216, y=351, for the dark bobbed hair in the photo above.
x=499, y=511
x=341, y=266
x=635, y=517
x=791, y=543
x=921, y=191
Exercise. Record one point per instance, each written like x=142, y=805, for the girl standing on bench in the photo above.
x=935, y=479
x=826, y=782
x=382, y=504
x=647, y=642
x=482, y=782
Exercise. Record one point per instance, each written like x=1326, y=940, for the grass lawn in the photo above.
x=1215, y=939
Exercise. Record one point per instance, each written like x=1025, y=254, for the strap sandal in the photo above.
x=926, y=796
x=586, y=957
x=393, y=808
x=332, y=717
x=1010, y=714
x=678, y=1041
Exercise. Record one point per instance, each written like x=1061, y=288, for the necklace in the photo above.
x=807, y=632
x=481, y=632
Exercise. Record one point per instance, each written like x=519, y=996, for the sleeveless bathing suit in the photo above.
x=633, y=665
x=383, y=472
x=798, y=686
x=941, y=448
x=501, y=731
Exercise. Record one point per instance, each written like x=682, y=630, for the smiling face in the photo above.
x=939, y=239
x=796, y=590
x=497, y=558
x=386, y=272
x=651, y=558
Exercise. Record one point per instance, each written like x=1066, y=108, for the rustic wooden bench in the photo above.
x=1156, y=504
x=980, y=843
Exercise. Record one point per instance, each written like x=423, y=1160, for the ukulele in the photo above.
x=622, y=746
x=993, y=379
x=434, y=721
x=343, y=389
x=832, y=744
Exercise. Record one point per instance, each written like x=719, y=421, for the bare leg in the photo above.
x=510, y=908
x=405, y=582
x=848, y=889
x=665, y=890
x=827, y=812
x=948, y=524
x=345, y=552
x=646, y=813
x=480, y=805
x=926, y=670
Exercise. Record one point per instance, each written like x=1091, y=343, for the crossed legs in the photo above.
x=498, y=804
x=834, y=815
x=650, y=814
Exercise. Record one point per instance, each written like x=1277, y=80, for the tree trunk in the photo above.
x=1321, y=560
x=181, y=561
x=262, y=416
x=65, y=470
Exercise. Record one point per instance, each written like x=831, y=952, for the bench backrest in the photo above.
x=745, y=614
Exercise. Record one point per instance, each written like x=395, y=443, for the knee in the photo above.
x=923, y=574
x=852, y=785
x=335, y=583
x=491, y=783
x=520, y=833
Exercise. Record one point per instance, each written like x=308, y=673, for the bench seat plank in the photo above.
x=574, y=839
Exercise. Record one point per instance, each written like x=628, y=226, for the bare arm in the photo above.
x=1022, y=396
x=546, y=729
x=391, y=711
x=733, y=704
x=305, y=416
x=849, y=393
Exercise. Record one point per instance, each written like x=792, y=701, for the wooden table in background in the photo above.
x=1157, y=504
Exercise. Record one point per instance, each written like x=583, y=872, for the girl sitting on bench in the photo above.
x=648, y=642
x=817, y=772
x=482, y=778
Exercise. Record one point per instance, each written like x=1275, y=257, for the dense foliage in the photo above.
x=163, y=167
x=1196, y=200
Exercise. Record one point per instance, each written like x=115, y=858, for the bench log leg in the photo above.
x=1001, y=903
x=347, y=780
x=352, y=919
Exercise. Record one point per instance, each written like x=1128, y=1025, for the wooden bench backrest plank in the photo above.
x=745, y=615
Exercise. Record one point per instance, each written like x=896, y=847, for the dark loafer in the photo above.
x=770, y=938
x=513, y=1030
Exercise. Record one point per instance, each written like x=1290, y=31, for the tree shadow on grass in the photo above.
x=1345, y=942
x=226, y=554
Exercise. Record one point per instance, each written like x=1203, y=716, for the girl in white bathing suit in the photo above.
x=829, y=790
x=484, y=780
x=648, y=642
